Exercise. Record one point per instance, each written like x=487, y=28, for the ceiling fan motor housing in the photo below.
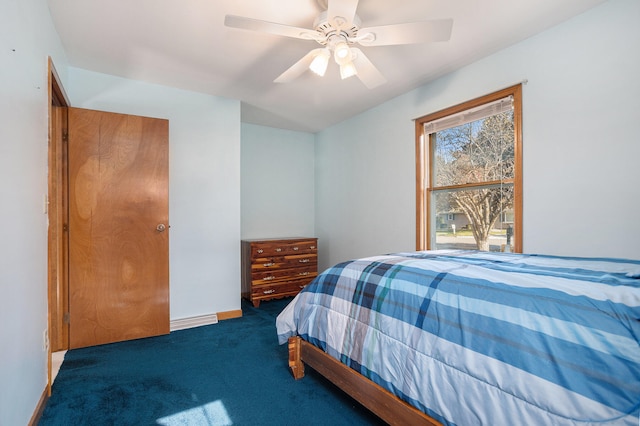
x=332, y=35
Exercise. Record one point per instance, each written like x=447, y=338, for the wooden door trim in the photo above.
x=57, y=283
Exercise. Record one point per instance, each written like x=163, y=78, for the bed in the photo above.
x=466, y=337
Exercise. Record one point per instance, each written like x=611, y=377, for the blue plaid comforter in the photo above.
x=484, y=338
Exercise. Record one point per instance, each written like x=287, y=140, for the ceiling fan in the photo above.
x=337, y=30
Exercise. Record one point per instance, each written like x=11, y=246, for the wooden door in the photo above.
x=118, y=227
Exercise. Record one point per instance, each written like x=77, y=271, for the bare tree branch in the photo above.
x=481, y=151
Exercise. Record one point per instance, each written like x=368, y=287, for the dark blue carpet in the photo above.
x=230, y=373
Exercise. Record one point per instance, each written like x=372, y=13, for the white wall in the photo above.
x=204, y=183
x=580, y=107
x=27, y=38
x=277, y=183
x=365, y=189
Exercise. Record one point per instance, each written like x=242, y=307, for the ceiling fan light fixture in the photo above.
x=342, y=53
x=348, y=69
x=320, y=62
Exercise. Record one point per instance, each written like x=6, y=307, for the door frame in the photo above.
x=57, y=213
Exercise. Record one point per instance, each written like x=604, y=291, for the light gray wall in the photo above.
x=204, y=183
x=580, y=107
x=27, y=38
x=277, y=183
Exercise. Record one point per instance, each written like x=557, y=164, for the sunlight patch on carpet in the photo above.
x=213, y=414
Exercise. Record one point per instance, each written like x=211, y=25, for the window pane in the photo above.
x=473, y=219
x=475, y=152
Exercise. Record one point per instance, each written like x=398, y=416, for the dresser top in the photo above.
x=256, y=240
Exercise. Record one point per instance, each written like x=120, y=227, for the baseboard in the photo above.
x=181, y=324
x=197, y=321
x=229, y=314
x=42, y=403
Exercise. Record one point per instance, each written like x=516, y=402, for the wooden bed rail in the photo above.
x=385, y=405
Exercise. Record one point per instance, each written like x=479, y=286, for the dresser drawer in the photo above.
x=266, y=276
x=281, y=248
x=279, y=262
x=272, y=290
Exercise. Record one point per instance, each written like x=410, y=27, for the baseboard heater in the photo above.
x=182, y=323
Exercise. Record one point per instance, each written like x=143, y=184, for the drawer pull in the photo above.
x=260, y=251
x=296, y=249
x=304, y=260
x=268, y=291
x=269, y=278
x=278, y=249
x=312, y=247
x=302, y=286
x=266, y=265
x=303, y=273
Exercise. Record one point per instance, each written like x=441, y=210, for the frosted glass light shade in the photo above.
x=342, y=53
x=348, y=70
x=320, y=62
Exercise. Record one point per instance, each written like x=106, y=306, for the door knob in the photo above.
x=160, y=227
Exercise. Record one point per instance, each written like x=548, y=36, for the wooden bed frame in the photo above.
x=385, y=405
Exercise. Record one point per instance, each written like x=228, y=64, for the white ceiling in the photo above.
x=184, y=44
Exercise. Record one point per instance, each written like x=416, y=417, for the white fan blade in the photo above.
x=344, y=10
x=244, y=23
x=414, y=32
x=367, y=72
x=298, y=68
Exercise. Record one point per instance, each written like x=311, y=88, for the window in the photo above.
x=469, y=167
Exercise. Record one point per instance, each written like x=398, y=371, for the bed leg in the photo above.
x=295, y=361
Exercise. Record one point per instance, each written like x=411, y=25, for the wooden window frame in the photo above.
x=424, y=176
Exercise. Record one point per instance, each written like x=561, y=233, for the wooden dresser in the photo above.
x=278, y=267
